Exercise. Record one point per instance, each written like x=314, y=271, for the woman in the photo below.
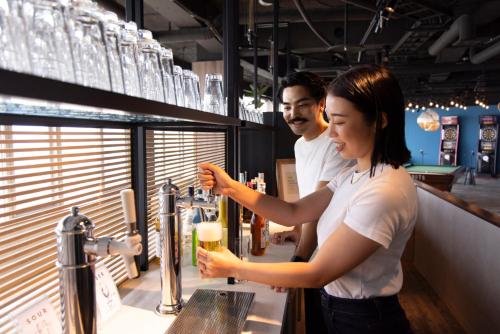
x=366, y=214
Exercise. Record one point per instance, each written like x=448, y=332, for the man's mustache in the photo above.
x=297, y=119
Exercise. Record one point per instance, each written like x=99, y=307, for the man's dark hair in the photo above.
x=374, y=89
x=314, y=84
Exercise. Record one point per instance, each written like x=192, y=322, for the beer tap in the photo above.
x=171, y=242
x=77, y=249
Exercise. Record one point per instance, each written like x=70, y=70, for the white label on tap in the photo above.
x=39, y=317
x=108, y=299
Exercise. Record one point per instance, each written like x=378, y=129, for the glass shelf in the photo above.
x=54, y=98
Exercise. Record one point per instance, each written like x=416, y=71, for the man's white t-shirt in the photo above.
x=382, y=208
x=316, y=160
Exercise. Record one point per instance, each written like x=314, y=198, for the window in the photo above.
x=176, y=155
x=44, y=171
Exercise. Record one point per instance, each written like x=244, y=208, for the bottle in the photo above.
x=261, y=186
x=187, y=229
x=197, y=218
x=257, y=230
x=222, y=218
x=247, y=213
x=157, y=240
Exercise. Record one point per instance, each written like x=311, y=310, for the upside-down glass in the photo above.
x=209, y=235
x=197, y=94
x=179, y=85
x=6, y=46
x=50, y=48
x=148, y=64
x=213, y=100
x=128, y=50
x=91, y=61
x=112, y=35
x=18, y=37
x=189, y=94
x=167, y=70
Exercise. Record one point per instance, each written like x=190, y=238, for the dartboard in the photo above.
x=450, y=133
x=489, y=134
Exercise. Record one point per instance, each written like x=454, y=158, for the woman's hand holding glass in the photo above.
x=221, y=263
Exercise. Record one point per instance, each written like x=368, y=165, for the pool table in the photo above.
x=440, y=177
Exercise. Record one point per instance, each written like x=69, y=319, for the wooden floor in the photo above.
x=425, y=311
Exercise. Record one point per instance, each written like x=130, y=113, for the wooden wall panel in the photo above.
x=457, y=253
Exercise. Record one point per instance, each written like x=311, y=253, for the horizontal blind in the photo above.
x=44, y=171
x=176, y=155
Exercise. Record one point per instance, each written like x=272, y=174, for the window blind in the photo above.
x=44, y=171
x=176, y=155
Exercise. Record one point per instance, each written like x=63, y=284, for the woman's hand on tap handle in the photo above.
x=214, y=177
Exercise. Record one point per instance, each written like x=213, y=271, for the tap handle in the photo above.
x=128, y=205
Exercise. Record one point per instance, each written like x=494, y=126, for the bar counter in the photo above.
x=141, y=296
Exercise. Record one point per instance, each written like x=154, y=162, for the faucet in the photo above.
x=170, y=243
x=77, y=250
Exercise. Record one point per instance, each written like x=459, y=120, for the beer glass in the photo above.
x=209, y=235
x=179, y=86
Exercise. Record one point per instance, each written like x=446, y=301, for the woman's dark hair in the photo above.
x=311, y=81
x=374, y=89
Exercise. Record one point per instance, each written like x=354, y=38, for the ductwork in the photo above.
x=461, y=29
x=486, y=54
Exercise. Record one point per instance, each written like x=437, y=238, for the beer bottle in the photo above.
x=157, y=240
x=257, y=230
x=197, y=218
x=222, y=218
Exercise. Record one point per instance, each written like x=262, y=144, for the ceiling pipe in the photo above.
x=486, y=54
x=302, y=12
x=461, y=28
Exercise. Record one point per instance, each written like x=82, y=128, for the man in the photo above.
x=317, y=162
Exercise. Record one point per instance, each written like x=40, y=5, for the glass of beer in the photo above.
x=209, y=235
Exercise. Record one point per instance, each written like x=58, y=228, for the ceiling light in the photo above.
x=447, y=108
x=431, y=104
x=410, y=104
x=452, y=103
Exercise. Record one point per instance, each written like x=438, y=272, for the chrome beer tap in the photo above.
x=77, y=249
x=171, y=242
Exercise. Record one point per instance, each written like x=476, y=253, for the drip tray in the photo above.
x=213, y=312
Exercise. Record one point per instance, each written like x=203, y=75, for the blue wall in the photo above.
x=417, y=138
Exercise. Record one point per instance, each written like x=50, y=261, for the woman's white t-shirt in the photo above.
x=382, y=208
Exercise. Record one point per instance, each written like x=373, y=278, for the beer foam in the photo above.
x=209, y=231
